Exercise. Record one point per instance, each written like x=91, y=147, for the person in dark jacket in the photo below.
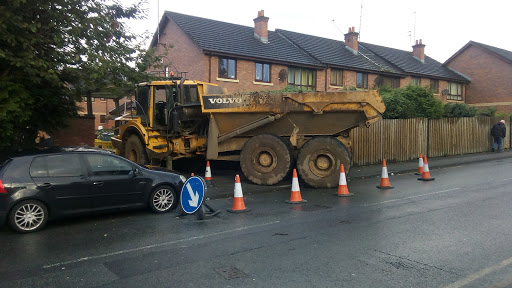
x=43, y=139
x=498, y=132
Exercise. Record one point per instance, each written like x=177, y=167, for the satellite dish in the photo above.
x=283, y=75
x=445, y=92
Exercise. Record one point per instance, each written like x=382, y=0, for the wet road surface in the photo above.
x=451, y=232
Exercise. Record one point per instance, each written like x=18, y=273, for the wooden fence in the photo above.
x=404, y=139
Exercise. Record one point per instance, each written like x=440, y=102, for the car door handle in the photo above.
x=99, y=183
x=46, y=185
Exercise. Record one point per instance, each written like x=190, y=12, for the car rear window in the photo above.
x=5, y=163
x=66, y=165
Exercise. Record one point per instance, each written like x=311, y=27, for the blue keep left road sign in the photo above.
x=192, y=194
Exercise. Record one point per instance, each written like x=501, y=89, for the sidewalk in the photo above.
x=224, y=179
x=433, y=163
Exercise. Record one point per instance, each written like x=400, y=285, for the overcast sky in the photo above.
x=445, y=26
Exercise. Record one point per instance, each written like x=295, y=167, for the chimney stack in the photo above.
x=418, y=51
x=351, y=39
x=261, y=27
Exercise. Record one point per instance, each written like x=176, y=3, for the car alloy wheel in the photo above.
x=163, y=199
x=28, y=216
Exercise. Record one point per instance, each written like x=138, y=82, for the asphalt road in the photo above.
x=452, y=232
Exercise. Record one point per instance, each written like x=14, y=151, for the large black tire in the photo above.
x=265, y=159
x=319, y=161
x=28, y=216
x=163, y=199
x=135, y=151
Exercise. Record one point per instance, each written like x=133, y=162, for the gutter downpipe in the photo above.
x=210, y=68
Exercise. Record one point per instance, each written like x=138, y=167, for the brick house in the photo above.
x=490, y=70
x=100, y=109
x=241, y=58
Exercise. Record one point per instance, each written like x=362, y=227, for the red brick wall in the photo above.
x=99, y=108
x=349, y=79
x=185, y=56
x=245, y=76
x=490, y=78
x=80, y=132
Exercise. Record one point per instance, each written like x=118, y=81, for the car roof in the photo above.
x=59, y=150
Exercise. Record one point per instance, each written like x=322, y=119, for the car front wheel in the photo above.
x=28, y=216
x=163, y=199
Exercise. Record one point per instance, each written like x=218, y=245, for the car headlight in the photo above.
x=183, y=179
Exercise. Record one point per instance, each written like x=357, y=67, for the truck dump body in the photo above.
x=291, y=114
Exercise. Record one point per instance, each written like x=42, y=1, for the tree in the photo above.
x=412, y=101
x=52, y=53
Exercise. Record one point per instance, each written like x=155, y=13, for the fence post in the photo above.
x=428, y=137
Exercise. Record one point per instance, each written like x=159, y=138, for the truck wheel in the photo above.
x=135, y=151
x=265, y=159
x=319, y=161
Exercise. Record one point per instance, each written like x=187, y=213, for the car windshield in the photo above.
x=105, y=136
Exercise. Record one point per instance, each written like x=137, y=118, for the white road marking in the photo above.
x=155, y=245
x=480, y=274
x=410, y=197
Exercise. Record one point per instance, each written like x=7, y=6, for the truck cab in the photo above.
x=166, y=121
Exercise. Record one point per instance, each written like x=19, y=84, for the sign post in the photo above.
x=192, y=196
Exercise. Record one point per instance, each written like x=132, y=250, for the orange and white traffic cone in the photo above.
x=425, y=176
x=295, y=197
x=208, y=175
x=238, y=198
x=420, y=165
x=342, y=186
x=384, y=180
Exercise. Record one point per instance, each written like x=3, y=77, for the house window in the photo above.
x=362, y=80
x=262, y=72
x=415, y=81
x=227, y=68
x=336, y=77
x=301, y=78
x=388, y=82
x=434, y=86
x=103, y=119
x=454, y=91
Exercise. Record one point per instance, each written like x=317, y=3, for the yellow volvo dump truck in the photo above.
x=268, y=132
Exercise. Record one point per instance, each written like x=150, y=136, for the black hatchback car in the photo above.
x=68, y=181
